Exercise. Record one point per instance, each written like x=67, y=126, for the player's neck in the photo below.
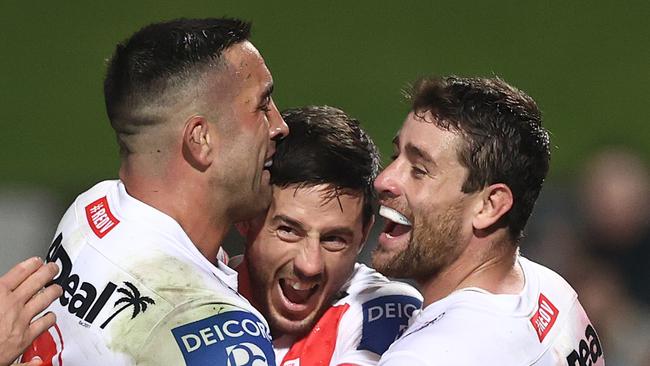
x=186, y=202
x=494, y=270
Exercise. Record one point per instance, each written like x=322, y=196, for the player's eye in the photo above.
x=334, y=243
x=287, y=233
x=265, y=106
x=418, y=172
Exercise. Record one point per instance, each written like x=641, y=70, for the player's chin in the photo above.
x=383, y=256
x=297, y=327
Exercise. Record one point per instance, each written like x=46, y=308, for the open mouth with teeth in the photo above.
x=298, y=297
x=268, y=163
x=396, y=223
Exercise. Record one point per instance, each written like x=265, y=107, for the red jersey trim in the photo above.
x=317, y=347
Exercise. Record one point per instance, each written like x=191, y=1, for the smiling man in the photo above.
x=190, y=103
x=469, y=163
x=299, y=267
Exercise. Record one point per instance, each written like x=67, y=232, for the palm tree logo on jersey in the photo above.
x=132, y=298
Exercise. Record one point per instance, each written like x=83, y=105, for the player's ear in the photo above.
x=198, y=142
x=243, y=228
x=366, y=232
x=250, y=228
x=493, y=203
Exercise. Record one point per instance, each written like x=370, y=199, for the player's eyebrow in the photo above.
x=280, y=218
x=267, y=92
x=341, y=231
x=416, y=153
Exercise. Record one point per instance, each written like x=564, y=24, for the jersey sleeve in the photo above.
x=209, y=334
x=403, y=358
x=377, y=318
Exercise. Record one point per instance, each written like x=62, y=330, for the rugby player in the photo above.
x=299, y=268
x=469, y=163
x=190, y=102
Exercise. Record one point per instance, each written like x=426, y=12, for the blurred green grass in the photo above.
x=586, y=64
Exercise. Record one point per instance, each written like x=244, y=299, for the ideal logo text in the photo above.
x=81, y=298
x=589, y=350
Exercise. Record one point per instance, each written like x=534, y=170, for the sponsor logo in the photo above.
x=245, y=354
x=544, y=317
x=82, y=299
x=131, y=299
x=100, y=218
x=236, y=338
x=589, y=350
x=384, y=319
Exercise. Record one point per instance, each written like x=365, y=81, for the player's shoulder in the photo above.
x=366, y=284
x=455, y=336
x=544, y=279
x=202, y=331
x=384, y=303
x=75, y=213
x=442, y=344
x=379, y=308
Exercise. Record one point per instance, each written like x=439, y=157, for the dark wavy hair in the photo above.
x=504, y=141
x=326, y=146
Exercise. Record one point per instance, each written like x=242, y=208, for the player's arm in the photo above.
x=210, y=334
x=381, y=321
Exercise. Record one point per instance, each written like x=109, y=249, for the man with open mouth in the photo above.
x=299, y=268
x=469, y=163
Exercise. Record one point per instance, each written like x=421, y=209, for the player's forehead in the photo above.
x=421, y=136
x=247, y=64
x=318, y=207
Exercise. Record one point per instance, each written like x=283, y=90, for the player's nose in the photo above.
x=278, y=129
x=309, y=262
x=388, y=184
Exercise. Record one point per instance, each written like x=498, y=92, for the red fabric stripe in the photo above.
x=317, y=347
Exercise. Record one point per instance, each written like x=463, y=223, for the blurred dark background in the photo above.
x=586, y=64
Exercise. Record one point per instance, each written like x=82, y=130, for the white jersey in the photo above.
x=544, y=325
x=358, y=327
x=137, y=291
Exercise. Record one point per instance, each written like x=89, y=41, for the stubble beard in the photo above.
x=249, y=204
x=434, y=245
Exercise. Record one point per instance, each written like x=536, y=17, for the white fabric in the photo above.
x=141, y=248
x=474, y=327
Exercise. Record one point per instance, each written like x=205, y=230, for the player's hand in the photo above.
x=22, y=297
x=36, y=361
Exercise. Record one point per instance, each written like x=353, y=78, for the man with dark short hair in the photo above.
x=299, y=267
x=190, y=102
x=469, y=163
